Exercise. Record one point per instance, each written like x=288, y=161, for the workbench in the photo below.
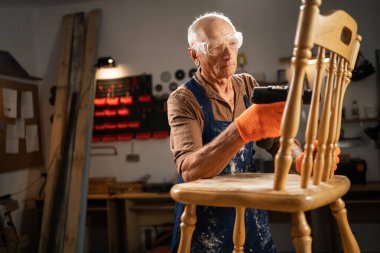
x=122, y=216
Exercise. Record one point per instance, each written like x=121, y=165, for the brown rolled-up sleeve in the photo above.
x=185, y=125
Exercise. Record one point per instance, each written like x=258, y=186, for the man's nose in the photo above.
x=227, y=52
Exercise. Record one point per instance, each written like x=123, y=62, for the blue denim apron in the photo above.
x=214, y=228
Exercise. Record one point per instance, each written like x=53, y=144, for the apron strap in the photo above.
x=202, y=99
x=246, y=102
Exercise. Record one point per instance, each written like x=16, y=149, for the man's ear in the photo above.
x=193, y=55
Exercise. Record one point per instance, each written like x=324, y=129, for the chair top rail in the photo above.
x=337, y=32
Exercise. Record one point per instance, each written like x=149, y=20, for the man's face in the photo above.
x=223, y=64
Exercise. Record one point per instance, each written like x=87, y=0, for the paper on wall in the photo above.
x=27, y=105
x=31, y=134
x=10, y=103
x=11, y=140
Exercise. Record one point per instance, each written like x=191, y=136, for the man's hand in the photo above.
x=299, y=158
x=260, y=121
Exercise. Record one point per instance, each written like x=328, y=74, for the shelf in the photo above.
x=153, y=208
x=265, y=83
x=360, y=120
x=351, y=142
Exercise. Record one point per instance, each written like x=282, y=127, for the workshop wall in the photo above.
x=150, y=37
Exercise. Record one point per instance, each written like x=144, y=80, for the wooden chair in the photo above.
x=334, y=35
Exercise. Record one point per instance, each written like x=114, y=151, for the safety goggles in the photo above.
x=217, y=46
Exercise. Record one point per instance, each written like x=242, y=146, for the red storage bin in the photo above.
x=127, y=100
x=99, y=126
x=109, y=138
x=145, y=98
x=123, y=125
x=111, y=126
x=101, y=113
x=125, y=137
x=160, y=134
x=100, y=101
x=110, y=112
x=123, y=112
x=96, y=138
x=134, y=124
x=143, y=135
x=113, y=101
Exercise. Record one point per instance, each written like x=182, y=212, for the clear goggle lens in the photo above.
x=217, y=46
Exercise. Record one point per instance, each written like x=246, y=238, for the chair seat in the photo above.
x=255, y=190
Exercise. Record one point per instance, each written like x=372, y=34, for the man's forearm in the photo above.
x=211, y=159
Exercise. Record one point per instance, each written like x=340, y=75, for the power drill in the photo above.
x=271, y=94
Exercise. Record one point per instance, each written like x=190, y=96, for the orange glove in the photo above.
x=301, y=156
x=260, y=121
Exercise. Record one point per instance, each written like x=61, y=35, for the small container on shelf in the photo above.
x=355, y=110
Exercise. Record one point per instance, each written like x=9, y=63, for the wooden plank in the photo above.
x=75, y=225
x=59, y=123
x=58, y=219
x=77, y=52
x=61, y=191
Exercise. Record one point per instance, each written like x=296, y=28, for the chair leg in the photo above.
x=188, y=220
x=301, y=233
x=340, y=214
x=239, y=230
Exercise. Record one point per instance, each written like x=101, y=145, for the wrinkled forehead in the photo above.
x=215, y=28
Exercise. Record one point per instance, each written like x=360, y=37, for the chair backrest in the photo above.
x=335, y=36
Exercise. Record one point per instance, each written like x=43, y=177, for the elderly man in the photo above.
x=213, y=126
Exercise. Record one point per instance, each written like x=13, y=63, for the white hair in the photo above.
x=192, y=32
